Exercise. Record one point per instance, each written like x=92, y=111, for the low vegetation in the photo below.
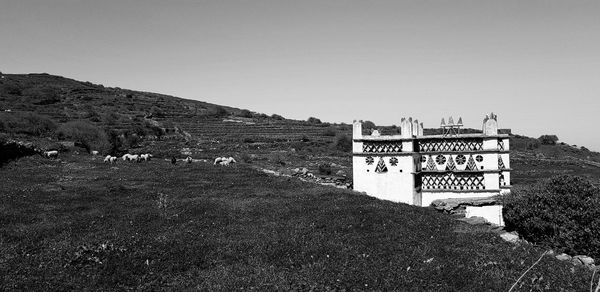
x=76, y=224
x=561, y=213
x=26, y=123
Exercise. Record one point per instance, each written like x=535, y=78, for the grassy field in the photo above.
x=76, y=223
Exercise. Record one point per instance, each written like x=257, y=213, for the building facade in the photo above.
x=416, y=169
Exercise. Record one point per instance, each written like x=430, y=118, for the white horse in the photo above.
x=94, y=152
x=107, y=158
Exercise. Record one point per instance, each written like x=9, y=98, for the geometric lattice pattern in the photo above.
x=430, y=164
x=382, y=146
x=381, y=166
x=450, y=145
x=501, y=145
x=452, y=181
x=500, y=163
x=450, y=165
x=471, y=164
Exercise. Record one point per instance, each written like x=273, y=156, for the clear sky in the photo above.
x=536, y=64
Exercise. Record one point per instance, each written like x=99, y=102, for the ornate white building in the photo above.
x=416, y=169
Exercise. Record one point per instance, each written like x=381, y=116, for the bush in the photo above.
x=90, y=136
x=245, y=113
x=277, y=158
x=343, y=143
x=325, y=168
x=313, y=120
x=548, y=139
x=245, y=157
x=218, y=111
x=26, y=123
x=329, y=132
x=277, y=117
x=367, y=127
x=561, y=213
x=43, y=95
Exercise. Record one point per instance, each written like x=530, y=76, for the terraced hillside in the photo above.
x=170, y=126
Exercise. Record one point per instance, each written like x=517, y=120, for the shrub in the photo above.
x=245, y=113
x=11, y=88
x=313, y=120
x=26, y=123
x=218, y=111
x=367, y=126
x=90, y=136
x=329, y=132
x=277, y=117
x=561, y=212
x=43, y=95
x=245, y=157
x=325, y=168
x=343, y=143
x=548, y=139
x=277, y=158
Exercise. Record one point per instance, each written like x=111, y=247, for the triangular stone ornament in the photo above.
x=430, y=164
x=471, y=164
x=450, y=121
x=501, y=163
x=459, y=121
x=450, y=165
x=381, y=166
x=443, y=123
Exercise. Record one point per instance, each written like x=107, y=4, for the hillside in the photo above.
x=170, y=126
x=76, y=223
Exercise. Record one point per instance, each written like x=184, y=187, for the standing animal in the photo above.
x=146, y=157
x=224, y=161
x=126, y=157
x=111, y=159
x=94, y=152
x=218, y=160
x=229, y=161
x=51, y=154
x=188, y=159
